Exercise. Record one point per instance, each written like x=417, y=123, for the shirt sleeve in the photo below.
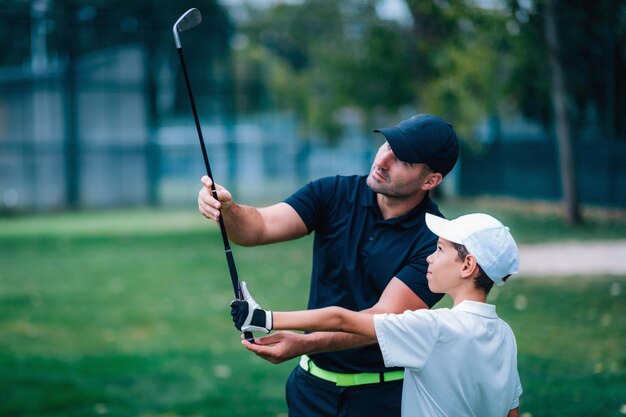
x=407, y=339
x=413, y=274
x=310, y=201
x=518, y=393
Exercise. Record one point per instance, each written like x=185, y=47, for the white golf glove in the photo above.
x=248, y=315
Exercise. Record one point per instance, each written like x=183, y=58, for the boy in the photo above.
x=458, y=362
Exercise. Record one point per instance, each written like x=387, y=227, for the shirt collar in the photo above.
x=410, y=219
x=475, y=307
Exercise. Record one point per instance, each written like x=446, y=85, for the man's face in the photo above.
x=394, y=178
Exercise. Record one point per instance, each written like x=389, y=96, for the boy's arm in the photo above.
x=331, y=319
x=513, y=413
x=248, y=316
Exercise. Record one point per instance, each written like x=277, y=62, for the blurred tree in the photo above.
x=593, y=55
x=373, y=73
x=337, y=55
x=461, y=58
x=571, y=54
x=461, y=50
x=302, y=37
x=559, y=99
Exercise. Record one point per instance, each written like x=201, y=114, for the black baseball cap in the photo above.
x=424, y=139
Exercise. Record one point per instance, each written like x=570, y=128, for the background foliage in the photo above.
x=456, y=58
x=463, y=59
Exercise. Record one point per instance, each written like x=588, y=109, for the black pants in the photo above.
x=309, y=396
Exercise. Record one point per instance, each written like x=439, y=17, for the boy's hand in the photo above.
x=248, y=315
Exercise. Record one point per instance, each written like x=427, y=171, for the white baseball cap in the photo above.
x=484, y=237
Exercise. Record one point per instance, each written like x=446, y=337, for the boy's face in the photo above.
x=444, y=267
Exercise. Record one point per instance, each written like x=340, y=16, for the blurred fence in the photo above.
x=85, y=138
x=75, y=138
x=261, y=158
x=530, y=169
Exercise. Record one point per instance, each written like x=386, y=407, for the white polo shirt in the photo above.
x=458, y=362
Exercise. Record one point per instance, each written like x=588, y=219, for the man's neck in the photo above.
x=395, y=207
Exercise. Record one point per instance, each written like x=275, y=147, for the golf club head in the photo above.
x=189, y=20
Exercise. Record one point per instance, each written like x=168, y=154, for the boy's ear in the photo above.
x=470, y=267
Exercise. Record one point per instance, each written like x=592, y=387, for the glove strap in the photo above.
x=269, y=319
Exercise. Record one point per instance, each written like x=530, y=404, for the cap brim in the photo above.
x=442, y=228
x=399, y=144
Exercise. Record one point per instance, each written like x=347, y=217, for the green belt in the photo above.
x=349, y=380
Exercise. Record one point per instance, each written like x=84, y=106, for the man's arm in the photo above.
x=282, y=346
x=247, y=225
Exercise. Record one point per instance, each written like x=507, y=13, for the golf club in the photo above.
x=190, y=19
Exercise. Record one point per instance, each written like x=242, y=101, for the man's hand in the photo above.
x=279, y=347
x=207, y=204
x=248, y=315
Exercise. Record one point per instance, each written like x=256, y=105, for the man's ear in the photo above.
x=432, y=181
x=470, y=267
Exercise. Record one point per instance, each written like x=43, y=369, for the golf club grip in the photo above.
x=234, y=276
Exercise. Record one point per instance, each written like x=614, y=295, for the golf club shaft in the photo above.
x=234, y=277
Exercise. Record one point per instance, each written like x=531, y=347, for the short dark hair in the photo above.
x=426, y=171
x=481, y=280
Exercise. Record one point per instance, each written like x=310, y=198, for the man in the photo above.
x=460, y=361
x=369, y=254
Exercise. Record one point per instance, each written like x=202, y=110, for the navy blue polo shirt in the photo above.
x=356, y=253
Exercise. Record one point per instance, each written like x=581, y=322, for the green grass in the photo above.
x=126, y=314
